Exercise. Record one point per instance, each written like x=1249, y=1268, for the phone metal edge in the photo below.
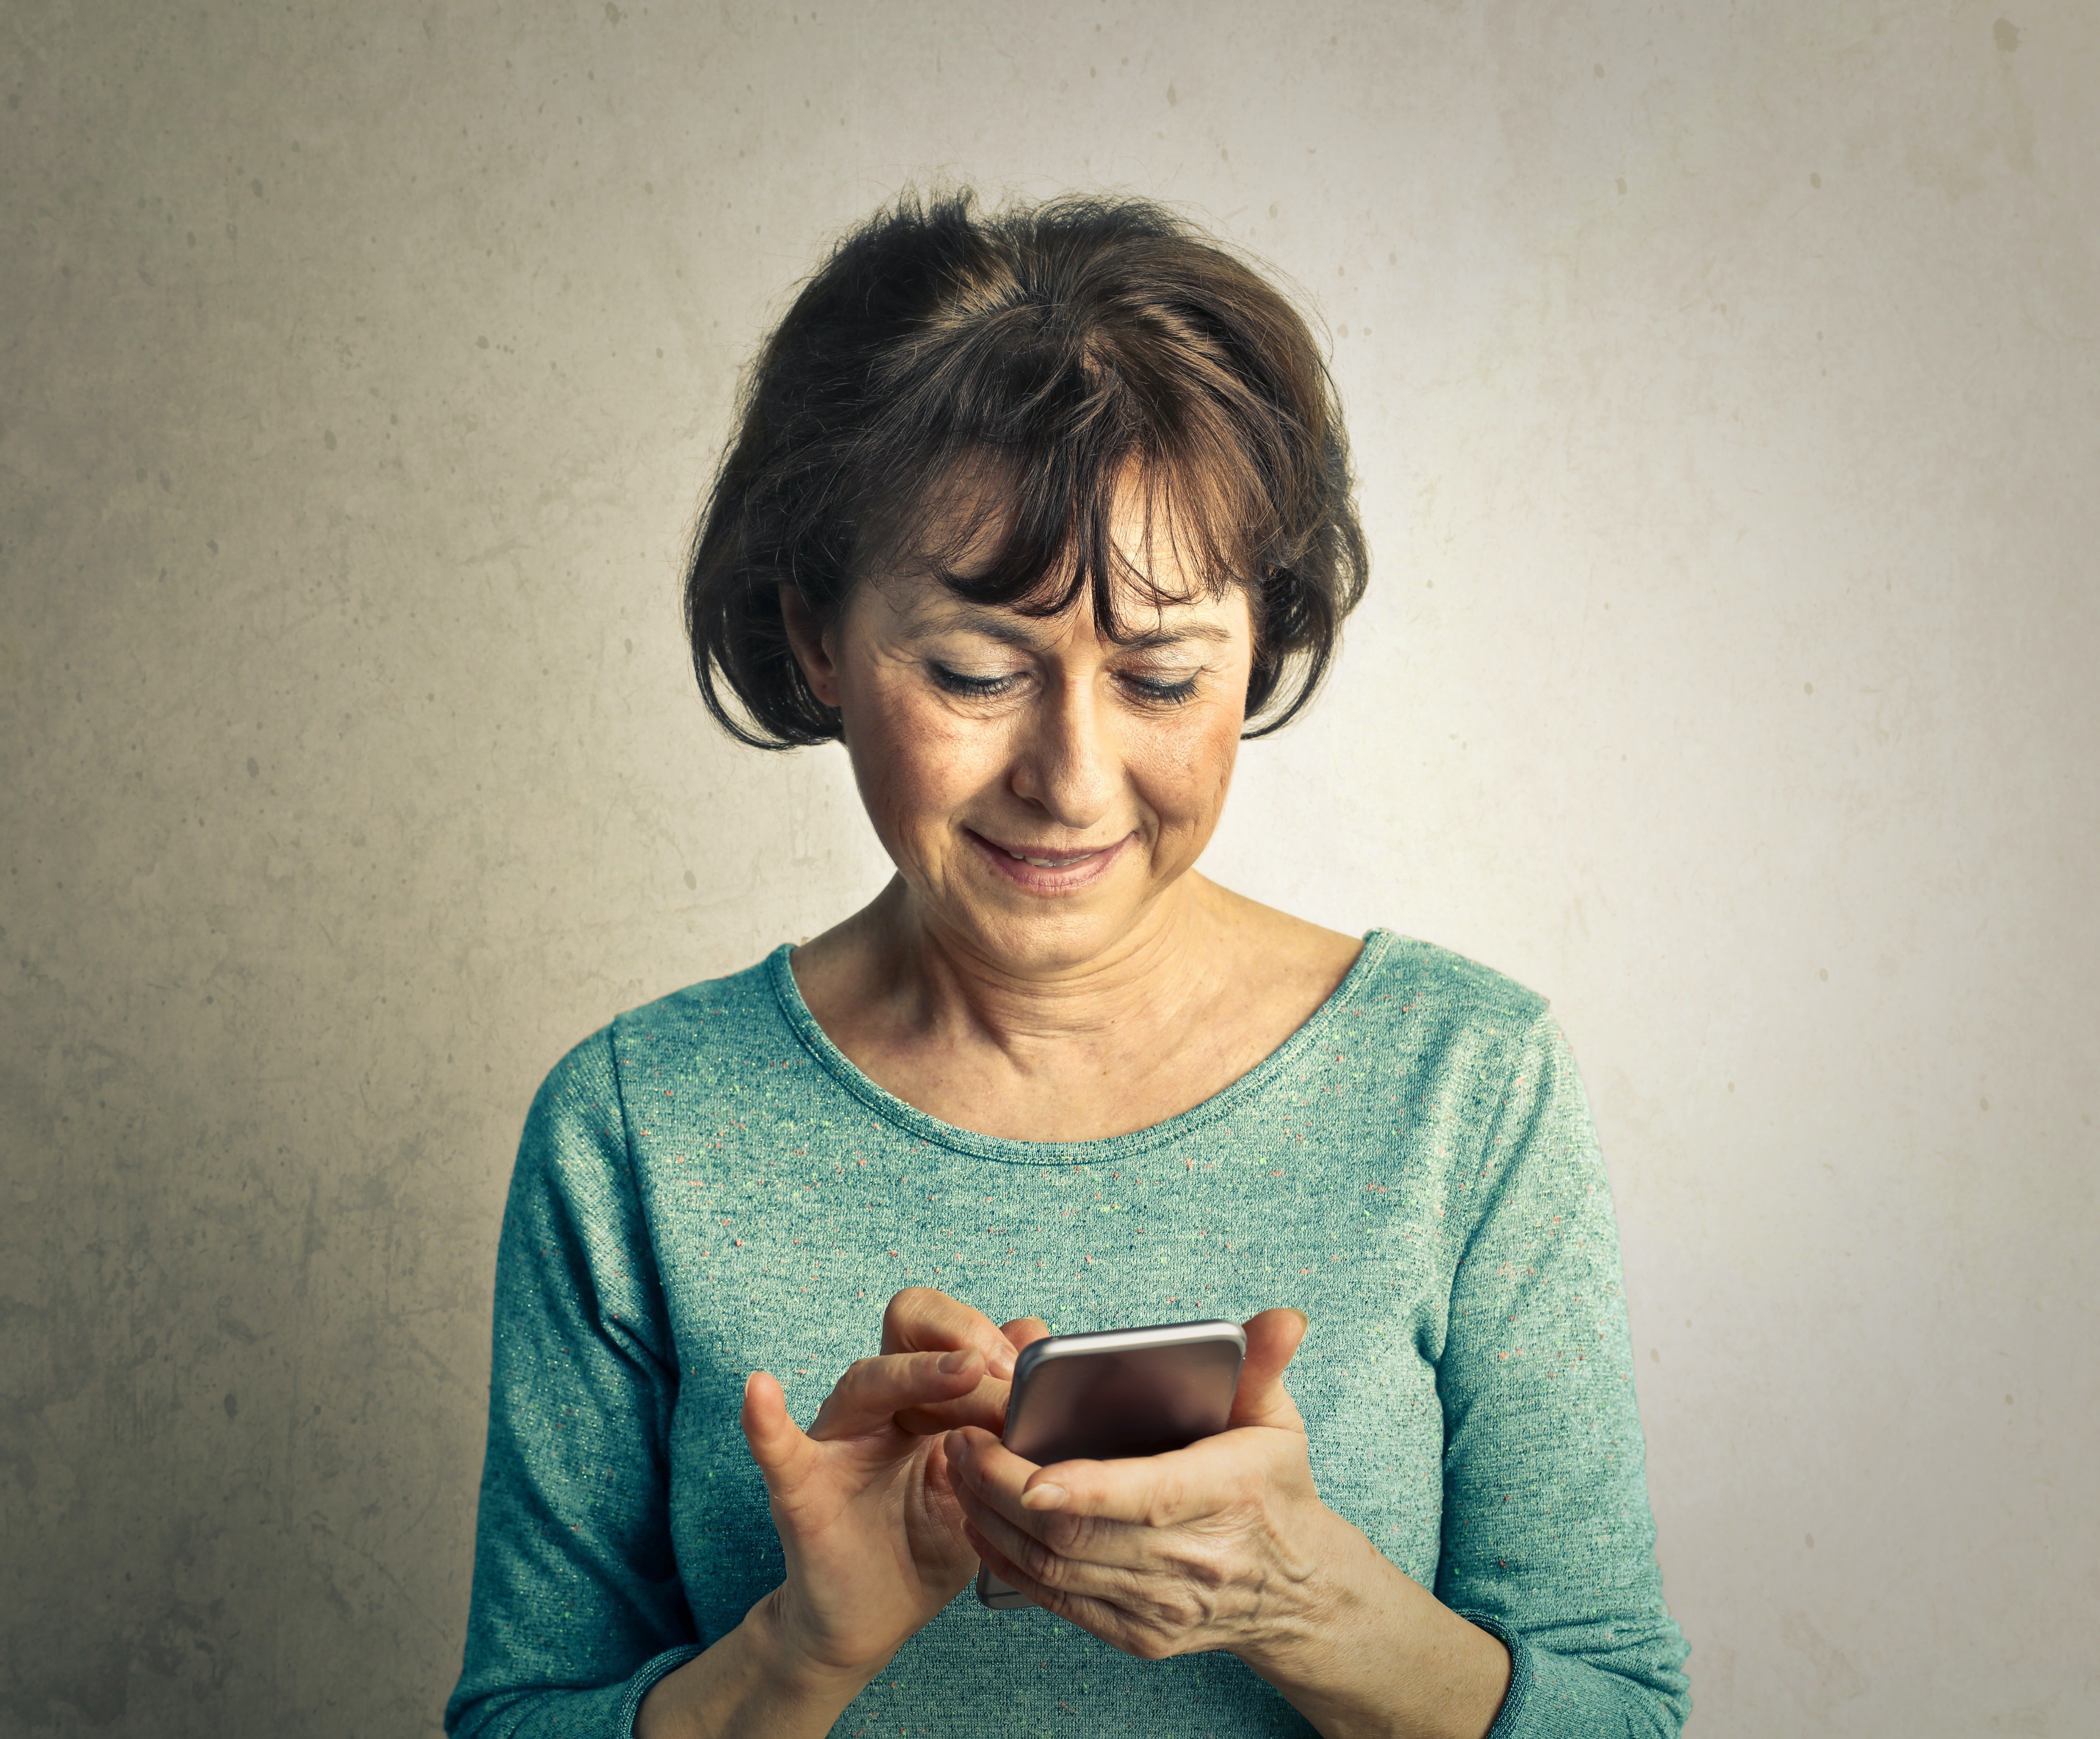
x=1125, y=1340
x=1103, y=1340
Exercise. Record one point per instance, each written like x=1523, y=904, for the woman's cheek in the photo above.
x=1188, y=769
x=917, y=763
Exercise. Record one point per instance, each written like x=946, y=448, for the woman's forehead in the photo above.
x=979, y=551
x=1161, y=527
x=922, y=602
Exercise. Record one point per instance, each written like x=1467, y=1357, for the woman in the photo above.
x=1040, y=513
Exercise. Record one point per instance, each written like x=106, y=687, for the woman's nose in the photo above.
x=1067, y=763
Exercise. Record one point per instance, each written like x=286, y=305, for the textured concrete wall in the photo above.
x=1724, y=383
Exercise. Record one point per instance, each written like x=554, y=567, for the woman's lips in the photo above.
x=1042, y=872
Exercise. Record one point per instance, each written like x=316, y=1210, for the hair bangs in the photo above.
x=1064, y=489
x=1081, y=399
x=1124, y=536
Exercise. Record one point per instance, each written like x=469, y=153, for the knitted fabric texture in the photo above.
x=709, y=1187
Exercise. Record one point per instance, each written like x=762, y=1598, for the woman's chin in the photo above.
x=1023, y=919
x=1038, y=938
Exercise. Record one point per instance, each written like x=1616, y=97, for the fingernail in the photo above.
x=952, y=1362
x=1002, y=1361
x=1044, y=1498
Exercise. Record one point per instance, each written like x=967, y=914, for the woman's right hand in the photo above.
x=871, y=1530
x=867, y=1519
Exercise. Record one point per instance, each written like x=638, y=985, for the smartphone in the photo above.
x=1122, y=1392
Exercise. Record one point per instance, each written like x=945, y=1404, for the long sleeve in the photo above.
x=577, y=1607
x=1547, y=1535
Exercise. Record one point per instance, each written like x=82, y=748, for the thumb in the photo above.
x=784, y=1456
x=1261, y=1399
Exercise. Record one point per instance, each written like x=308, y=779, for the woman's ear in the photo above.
x=809, y=644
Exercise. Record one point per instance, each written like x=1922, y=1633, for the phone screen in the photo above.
x=1122, y=1392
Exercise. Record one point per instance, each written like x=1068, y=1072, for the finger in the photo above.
x=1150, y=1491
x=921, y=1320
x=992, y=1466
x=1143, y=1492
x=1045, y=1566
x=991, y=1481
x=1272, y=1338
x=984, y=1467
x=873, y=1391
x=1096, y=1616
x=784, y=1454
x=984, y=1406
x=1007, y=1570
x=1025, y=1330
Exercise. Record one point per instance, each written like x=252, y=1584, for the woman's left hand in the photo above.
x=1225, y=1545
x=1219, y=1545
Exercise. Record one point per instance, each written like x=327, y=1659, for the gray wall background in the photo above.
x=1726, y=383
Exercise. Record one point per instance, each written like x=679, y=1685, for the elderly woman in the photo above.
x=1040, y=513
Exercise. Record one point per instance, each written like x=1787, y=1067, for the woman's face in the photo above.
x=1038, y=786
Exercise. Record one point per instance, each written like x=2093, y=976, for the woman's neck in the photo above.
x=1198, y=991
x=948, y=984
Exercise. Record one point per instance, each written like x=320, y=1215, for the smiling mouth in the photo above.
x=1022, y=857
x=1048, y=860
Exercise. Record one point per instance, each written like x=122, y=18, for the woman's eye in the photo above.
x=961, y=683
x=1164, y=691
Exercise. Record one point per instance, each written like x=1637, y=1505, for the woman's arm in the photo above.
x=579, y=1622
x=1547, y=1531
x=577, y=1607
x=753, y=1682
x=1377, y=1655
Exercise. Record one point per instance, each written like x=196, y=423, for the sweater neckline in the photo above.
x=1007, y=1151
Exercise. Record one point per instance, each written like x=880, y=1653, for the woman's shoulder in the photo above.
x=1383, y=973
x=1436, y=997
x=1434, y=976
x=734, y=1021
x=733, y=1008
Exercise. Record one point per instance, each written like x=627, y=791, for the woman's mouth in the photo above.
x=1022, y=857
x=1045, y=871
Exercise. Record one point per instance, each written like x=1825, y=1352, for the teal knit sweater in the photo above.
x=709, y=1187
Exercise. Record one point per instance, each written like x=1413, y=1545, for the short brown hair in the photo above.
x=1057, y=351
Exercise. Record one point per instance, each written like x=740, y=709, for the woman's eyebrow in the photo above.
x=988, y=622
x=1166, y=636
x=997, y=625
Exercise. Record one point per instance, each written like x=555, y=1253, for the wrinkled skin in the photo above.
x=868, y=1513
x=1213, y=1546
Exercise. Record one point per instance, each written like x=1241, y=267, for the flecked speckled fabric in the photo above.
x=709, y=1187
